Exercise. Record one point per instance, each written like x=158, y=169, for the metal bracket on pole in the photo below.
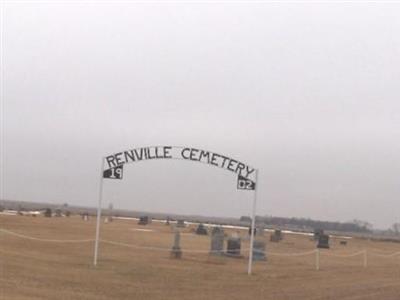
x=96, y=245
x=253, y=221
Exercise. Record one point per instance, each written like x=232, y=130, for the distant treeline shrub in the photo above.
x=303, y=223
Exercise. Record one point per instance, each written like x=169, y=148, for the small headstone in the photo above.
x=85, y=216
x=260, y=230
x=323, y=241
x=217, y=230
x=143, y=220
x=255, y=230
x=317, y=233
x=47, y=213
x=201, y=230
x=233, y=247
x=217, y=241
x=180, y=224
x=106, y=220
x=276, y=236
x=259, y=250
x=176, y=251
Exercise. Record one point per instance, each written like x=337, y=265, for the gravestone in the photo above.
x=259, y=250
x=85, y=216
x=47, y=213
x=143, y=220
x=217, y=230
x=180, y=224
x=260, y=230
x=317, y=233
x=201, y=230
x=323, y=241
x=255, y=230
x=217, y=241
x=176, y=251
x=233, y=247
x=276, y=236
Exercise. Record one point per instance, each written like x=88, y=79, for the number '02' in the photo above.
x=245, y=184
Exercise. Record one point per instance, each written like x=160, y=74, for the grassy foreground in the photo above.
x=33, y=269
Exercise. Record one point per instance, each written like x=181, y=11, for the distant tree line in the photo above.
x=309, y=224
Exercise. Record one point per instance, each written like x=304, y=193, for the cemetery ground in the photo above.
x=33, y=269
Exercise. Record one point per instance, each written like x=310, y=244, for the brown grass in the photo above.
x=43, y=270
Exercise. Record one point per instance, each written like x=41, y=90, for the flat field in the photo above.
x=137, y=265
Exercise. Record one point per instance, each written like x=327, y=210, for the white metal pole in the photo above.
x=2, y=113
x=96, y=246
x=253, y=221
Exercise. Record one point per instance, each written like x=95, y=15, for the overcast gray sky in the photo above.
x=306, y=92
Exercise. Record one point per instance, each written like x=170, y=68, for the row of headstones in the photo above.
x=144, y=220
x=202, y=230
x=319, y=235
x=233, y=248
x=48, y=213
x=276, y=236
x=233, y=243
x=217, y=241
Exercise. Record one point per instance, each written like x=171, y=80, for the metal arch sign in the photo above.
x=246, y=175
x=113, y=167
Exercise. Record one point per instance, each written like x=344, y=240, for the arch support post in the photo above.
x=96, y=244
x=253, y=224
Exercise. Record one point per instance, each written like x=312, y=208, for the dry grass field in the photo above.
x=32, y=269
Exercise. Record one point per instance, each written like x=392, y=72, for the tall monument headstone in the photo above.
x=201, y=230
x=259, y=250
x=143, y=220
x=276, y=236
x=181, y=224
x=317, y=233
x=233, y=247
x=323, y=241
x=260, y=230
x=47, y=213
x=176, y=251
x=217, y=241
x=85, y=216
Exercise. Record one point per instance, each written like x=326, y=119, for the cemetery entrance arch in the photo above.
x=113, y=168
